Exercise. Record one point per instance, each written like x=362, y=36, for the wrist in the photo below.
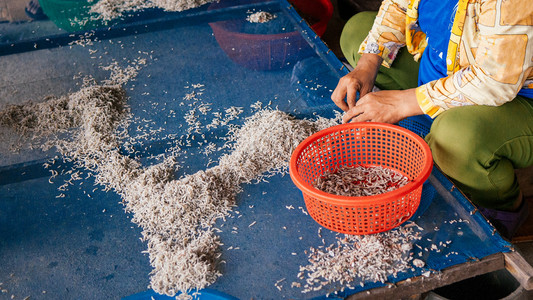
x=370, y=61
x=410, y=106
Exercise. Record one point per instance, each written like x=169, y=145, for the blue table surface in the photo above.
x=84, y=246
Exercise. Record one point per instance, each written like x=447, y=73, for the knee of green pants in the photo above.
x=464, y=148
x=354, y=33
x=404, y=71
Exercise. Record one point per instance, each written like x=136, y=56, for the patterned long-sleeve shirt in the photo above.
x=490, y=52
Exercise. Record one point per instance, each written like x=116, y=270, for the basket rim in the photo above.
x=361, y=200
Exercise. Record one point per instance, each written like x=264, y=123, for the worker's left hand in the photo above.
x=384, y=106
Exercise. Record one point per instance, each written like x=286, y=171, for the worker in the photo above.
x=467, y=64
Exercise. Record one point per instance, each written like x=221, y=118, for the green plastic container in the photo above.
x=72, y=15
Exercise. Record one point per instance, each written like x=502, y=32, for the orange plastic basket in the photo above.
x=365, y=144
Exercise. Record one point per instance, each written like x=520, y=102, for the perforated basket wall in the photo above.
x=366, y=144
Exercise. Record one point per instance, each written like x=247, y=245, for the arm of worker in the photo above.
x=499, y=69
x=385, y=107
x=382, y=106
x=388, y=34
x=361, y=80
x=380, y=47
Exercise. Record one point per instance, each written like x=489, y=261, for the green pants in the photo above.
x=478, y=147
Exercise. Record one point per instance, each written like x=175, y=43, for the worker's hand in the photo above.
x=384, y=106
x=361, y=80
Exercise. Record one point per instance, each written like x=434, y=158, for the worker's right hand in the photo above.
x=361, y=80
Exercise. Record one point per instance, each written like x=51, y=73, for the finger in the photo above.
x=351, y=114
x=351, y=96
x=338, y=97
x=364, y=91
x=364, y=117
